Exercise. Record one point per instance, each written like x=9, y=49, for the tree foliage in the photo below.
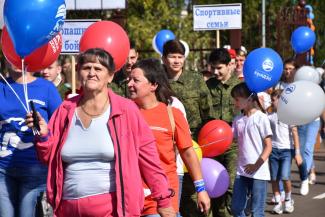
x=146, y=18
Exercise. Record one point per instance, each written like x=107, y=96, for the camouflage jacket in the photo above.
x=191, y=90
x=63, y=90
x=222, y=101
x=119, y=84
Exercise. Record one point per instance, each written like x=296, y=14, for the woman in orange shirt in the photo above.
x=149, y=89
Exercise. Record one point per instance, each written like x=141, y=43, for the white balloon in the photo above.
x=187, y=48
x=307, y=73
x=154, y=46
x=300, y=103
x=320, y=70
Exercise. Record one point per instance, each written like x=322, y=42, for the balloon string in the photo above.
x=5, y=80
x=25, y=84
x=250, y=96
x=210, y=143
x=35, y=132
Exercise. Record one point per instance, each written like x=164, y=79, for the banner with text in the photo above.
x=217, y=17
x=71, y=33
x=95, y=4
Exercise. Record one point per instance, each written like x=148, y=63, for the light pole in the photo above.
x=263, y=24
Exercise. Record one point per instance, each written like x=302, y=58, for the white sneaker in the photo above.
x=304, y=188
x=283, y=195
x=288, y=206
x=312, y=178
x=277, y=209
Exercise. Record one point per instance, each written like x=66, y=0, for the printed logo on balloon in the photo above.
x=290, y=89
x=33, y=23
x=267, y=65
x=39, y=59
x=292, y=107
x=262, y=69
x=60, y=16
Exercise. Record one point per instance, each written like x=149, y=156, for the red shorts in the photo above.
x=103, y=205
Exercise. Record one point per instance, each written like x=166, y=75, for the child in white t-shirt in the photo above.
x=253, y=133
x=284, y=141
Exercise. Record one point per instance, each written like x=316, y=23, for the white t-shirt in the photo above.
x=281, y=85
x=282, y=133
x=179, y=162
x=250, y=133
x=179, y=105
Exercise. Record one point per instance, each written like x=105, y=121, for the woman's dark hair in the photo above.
x=276, y=93
x=96, y=54
x=155, y=73
x=242, y=90
x=173, y=46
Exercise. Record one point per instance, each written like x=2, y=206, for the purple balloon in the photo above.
x=215, y=176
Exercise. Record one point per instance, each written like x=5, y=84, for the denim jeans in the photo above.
x=280, y=164
x=307, y=139
x=20, y=189
x=244, y=185
x=180, y=184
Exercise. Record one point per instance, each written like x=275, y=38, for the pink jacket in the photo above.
x=135, y=155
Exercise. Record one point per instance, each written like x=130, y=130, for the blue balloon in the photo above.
x=262, y=69
x=162, y=37
x=302, y=39
x=311, y=15
x=32, y=23
x=309, y=8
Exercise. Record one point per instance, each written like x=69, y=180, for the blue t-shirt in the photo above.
x=16, y=139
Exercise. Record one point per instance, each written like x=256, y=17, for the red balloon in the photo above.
x=109, y=36
x=39, y=59
x=215, y=138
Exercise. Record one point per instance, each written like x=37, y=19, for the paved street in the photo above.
x=312, y=205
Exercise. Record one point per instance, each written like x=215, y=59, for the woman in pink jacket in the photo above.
x=97, y=147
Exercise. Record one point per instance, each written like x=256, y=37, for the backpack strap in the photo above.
x=172, y=121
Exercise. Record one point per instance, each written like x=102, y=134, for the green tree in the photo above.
x=146, y=18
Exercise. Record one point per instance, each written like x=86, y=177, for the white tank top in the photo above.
x=88, y=156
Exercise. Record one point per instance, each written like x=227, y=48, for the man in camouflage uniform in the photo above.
x=191, y=90
x=220, y=87
x=53, y=73
x=119, y=83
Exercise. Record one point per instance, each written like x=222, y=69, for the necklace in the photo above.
x=95, y=115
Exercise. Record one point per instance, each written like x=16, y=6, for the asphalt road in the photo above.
x=313, y=204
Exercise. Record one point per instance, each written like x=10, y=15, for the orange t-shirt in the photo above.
x=158, y=120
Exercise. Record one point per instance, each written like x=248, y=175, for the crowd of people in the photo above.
x=111, y=156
